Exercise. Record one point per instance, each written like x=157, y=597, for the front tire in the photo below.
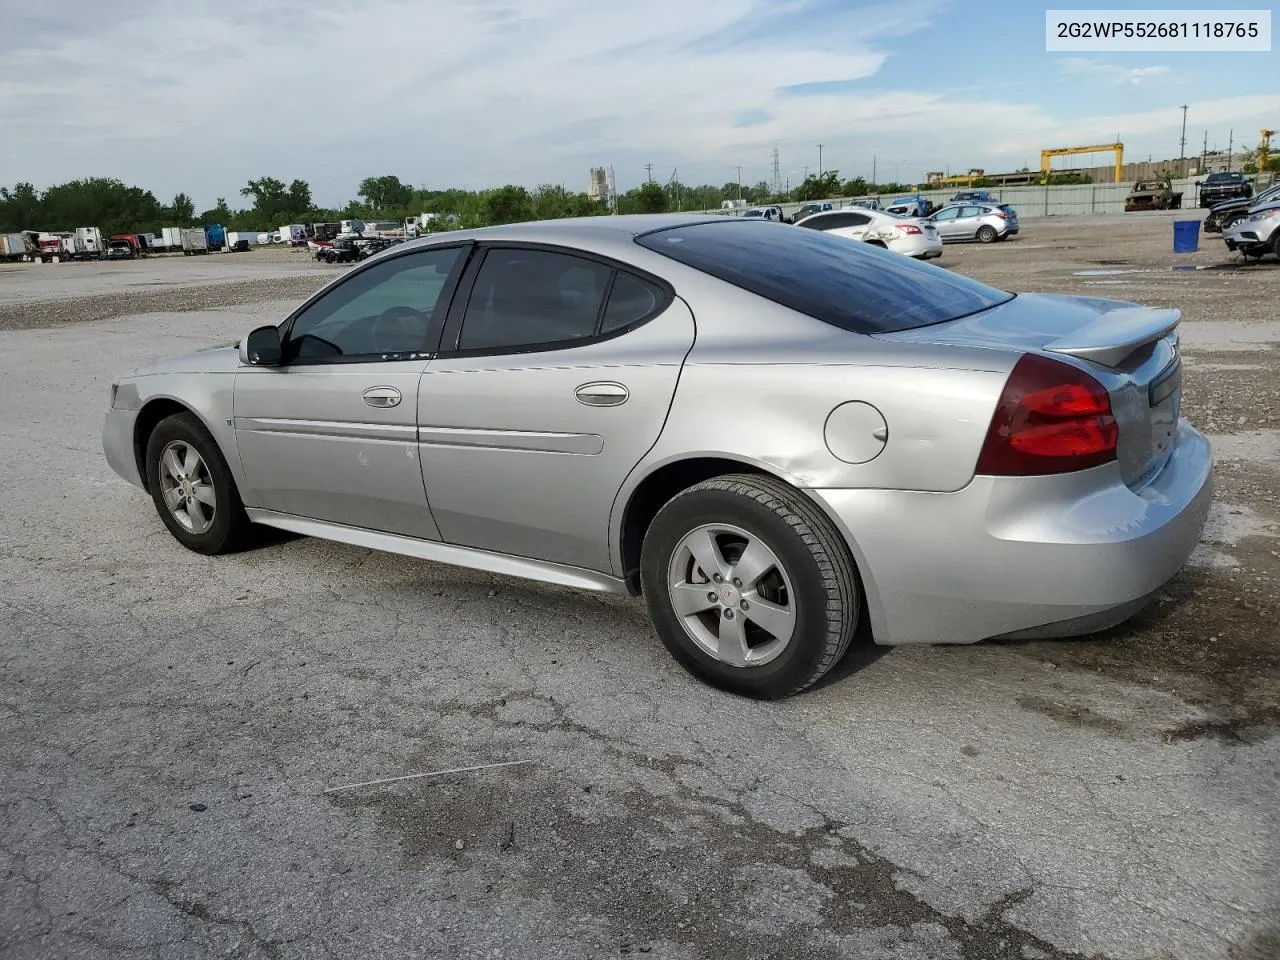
x=986, y=233
x=750, y=586
x=192, y=487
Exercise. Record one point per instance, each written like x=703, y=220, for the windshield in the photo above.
x=848, y=285
x=1224, y=177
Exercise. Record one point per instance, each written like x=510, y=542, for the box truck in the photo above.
x=194, y=242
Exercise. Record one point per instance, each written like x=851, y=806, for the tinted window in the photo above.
x=630, y=300
x=523, y=298
x=383, y=309
x=849, y=285
x=947, y=213
x=971, y=212
x=834, y=221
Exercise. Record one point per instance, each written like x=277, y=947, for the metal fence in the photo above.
x=1047, y=201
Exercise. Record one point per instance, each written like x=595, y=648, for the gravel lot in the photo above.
x=169, y=723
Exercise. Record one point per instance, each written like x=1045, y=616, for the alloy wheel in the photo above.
x=732, y=594
x=187, y=486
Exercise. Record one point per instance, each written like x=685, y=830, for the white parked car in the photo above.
x=764, y=213
x=1256, y=234
x=905, y=235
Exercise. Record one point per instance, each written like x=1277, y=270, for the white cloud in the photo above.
x=1113, y=73
x=203, y=95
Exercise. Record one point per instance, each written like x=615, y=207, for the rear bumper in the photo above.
x=1035, y=556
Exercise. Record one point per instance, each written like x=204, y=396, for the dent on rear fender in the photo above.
x=775, y=415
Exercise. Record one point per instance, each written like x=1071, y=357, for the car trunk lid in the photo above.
x=1131, y=350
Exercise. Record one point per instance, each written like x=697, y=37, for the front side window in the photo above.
x=949, y=213
x=526, y=298
x=382, y=312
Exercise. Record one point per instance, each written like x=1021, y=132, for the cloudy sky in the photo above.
x=202, y=96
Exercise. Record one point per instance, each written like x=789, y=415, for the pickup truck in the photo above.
x=1223, y=186
x=1152, y=195
x=1224, y=214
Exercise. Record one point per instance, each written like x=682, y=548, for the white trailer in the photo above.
x=194, y=242
x=92, y=242
x=170, y=238
x=13, y=246
x=294, y=234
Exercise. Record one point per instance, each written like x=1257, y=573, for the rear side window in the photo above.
x=524, y=298
x=630, y=301
x=849, y=285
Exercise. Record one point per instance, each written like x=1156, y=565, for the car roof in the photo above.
x=570, y=231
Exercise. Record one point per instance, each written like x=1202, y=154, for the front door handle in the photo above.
x=381, y=396
x=603, y=393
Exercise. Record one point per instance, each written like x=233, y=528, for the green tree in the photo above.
x=651, y=198
x=275, y=204
x=817, y=187
x=508, y=204
x=182, y=209
x=856, y=187
x=219, y=213
x=20, y=208
x=386, y=194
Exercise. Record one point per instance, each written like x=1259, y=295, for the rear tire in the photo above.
x=986, y=233
x=785, y=621
x=192, y=487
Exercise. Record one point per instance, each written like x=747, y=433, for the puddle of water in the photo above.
x=1108, y=283
x=1105, y=273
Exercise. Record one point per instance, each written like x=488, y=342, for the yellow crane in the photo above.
x=1264, y=150
x=1047, y=155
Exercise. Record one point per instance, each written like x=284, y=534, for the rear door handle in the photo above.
x=381, y=396
x=602, y=393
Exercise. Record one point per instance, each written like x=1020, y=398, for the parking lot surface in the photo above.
x=169, y=723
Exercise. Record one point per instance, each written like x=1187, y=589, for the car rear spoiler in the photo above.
x=1117, y=333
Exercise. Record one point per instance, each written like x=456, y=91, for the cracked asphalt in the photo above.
x=169, y=723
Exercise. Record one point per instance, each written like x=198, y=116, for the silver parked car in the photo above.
x=774, y=434
x=984, y=222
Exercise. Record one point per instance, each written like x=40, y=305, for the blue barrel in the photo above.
x=1186, y=236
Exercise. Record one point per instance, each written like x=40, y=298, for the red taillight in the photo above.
x=1002, y=216
x=1051, y=418
x=909, y=228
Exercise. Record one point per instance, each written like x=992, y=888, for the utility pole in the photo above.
x=777, y=178
x=739, y=183
x=648, y=172
x=1182, y=146
x=873, y=169
x=819, y=160
x=1204, y=152
x=1231, y=139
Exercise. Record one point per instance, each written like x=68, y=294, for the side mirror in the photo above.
x=262, y=348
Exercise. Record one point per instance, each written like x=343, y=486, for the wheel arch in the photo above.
x=152, y=412
x=646, y=491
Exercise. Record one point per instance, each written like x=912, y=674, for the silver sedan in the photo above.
x=773, y=434
x=983, y=222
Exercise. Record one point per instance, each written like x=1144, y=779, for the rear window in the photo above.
x=840, y=281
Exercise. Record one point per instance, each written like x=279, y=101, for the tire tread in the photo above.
x=816, y=531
